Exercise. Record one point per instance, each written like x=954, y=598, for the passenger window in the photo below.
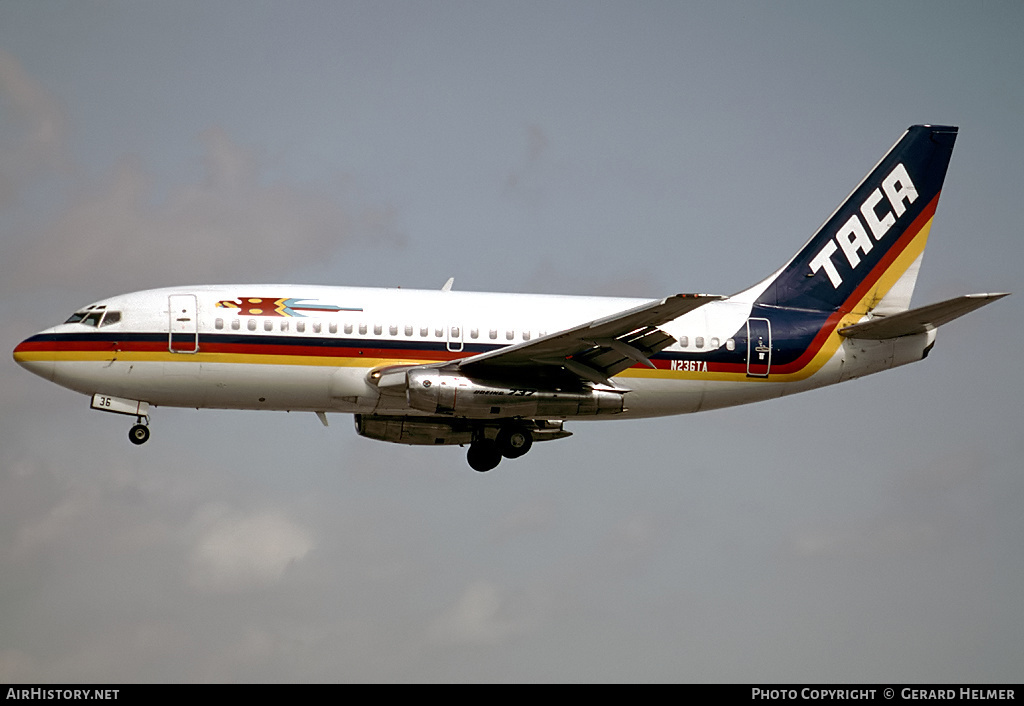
x=730, y=344
x=424, y=331
x=316, y=327
x=699, y=341
x=348, y=328
x=684, y=341
x=218, y=324
x=268, y=325
x=715, y=343
x=333, y=327
x=526, y=335
x=455, y=331
x=112, y=317
x=377, y=329
x=235, y=323
x=284, y=325
x=510, y=334
x=393, y=330
x=300, y=326
x=474, y=333
x=362, y=329
x=408, y=330
x=252, y=324
x=493, y=333
x=439, y=333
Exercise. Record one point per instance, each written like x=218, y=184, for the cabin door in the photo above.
x=183, y=327
x=759, y=347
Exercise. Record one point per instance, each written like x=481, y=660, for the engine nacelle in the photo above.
x=438, y=392
x=408, y=430
x=424, y=431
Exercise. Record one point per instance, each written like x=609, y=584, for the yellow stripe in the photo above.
x=828, y=349
x=885, y=282
x=167, y=357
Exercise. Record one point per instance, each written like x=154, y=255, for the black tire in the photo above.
x=483, y=455
x=514, y=442
x=139, y=434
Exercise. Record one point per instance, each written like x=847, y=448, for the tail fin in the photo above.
x=869, y=250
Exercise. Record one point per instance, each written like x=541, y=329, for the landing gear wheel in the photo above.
x=483, y=455
x=139, y=434
x=514, y=442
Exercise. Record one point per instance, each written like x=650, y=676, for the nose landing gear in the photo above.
x=139, y=434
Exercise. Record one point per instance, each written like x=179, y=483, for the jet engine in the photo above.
x=439, y=392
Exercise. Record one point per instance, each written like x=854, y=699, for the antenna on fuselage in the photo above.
x=448, y=285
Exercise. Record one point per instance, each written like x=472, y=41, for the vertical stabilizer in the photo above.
x=867, y=254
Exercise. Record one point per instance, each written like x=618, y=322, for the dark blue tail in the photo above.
x=872, y=244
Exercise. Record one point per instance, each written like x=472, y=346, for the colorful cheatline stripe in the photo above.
x=799, y=362
x=283, y=306
x=228, y=348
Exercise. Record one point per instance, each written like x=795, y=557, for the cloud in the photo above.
x=229, y=224
x=533, y=516
x=478, y=618
x=15, y=665
x=131, y=229
x=240, y=551
x=55, y=526
x=525, y=179
x=39, y=125
x=886, y=536
x=934, y=507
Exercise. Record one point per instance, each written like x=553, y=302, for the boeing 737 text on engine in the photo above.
x=501, y=371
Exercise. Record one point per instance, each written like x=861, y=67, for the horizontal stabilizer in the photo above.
x=921, y=320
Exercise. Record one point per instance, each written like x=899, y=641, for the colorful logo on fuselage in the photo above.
x=264, y=306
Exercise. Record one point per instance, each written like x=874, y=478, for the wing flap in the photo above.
x=920, y=320
x=594, y=351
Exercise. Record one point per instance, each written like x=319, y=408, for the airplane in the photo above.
x=499, y=372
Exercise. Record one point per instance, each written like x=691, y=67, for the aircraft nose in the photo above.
x=30, y=355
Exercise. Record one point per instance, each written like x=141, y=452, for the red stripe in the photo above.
x=858, y=294
x=61, y=346
x=254, y=348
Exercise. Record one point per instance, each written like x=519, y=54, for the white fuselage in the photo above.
x=225, y=347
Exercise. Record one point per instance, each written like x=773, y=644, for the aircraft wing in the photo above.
x=920, y=320
x=594, y=351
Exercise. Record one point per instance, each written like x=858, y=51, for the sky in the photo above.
x=866, y=532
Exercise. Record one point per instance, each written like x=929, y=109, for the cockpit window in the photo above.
x=92, y=316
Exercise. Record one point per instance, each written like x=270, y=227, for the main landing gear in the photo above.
x=511, y=442
x=139, y=434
